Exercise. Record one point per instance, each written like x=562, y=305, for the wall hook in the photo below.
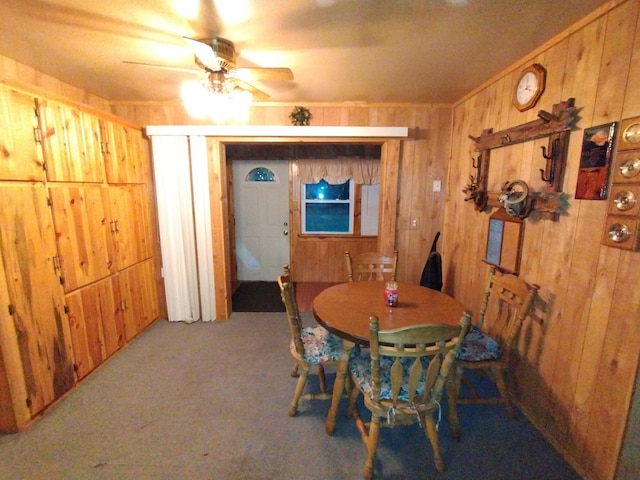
x=549, y=172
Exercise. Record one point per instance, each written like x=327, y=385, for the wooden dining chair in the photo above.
x=309, y=346
x=402, y=377
x=507, y=301
x=371, y=266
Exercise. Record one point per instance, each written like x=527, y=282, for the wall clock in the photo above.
x=529, y=87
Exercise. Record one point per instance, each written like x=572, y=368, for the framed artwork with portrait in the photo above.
x=595, y=162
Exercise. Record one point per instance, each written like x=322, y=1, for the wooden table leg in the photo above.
x=338, y=385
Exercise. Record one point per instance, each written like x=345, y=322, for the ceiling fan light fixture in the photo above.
x=220, y=103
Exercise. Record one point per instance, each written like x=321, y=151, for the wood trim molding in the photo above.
x=282, y=133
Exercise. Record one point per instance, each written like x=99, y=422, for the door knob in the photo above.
x=285, y=232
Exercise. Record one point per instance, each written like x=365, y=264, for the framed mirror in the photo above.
x=504, y=241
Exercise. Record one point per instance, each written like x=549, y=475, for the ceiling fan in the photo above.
x=216, y=59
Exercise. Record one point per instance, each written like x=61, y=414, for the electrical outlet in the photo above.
x=413, y=223
x=437, y=185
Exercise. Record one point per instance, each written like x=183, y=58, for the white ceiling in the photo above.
x=339, y=50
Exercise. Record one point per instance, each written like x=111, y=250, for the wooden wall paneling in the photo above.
x=389, y=179
x=577, y=348
x=82, y=233
x=70, y=140
x=405, y=234
x=583, y=52
x=631, y=106
x=321, y=259
x=41, y=334
x=359, y=116
x=21, y=154
x=616, y=62
x=619, y=363
x=219, y=211
x=585, y=262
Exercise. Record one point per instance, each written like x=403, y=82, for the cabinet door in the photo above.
x=85, y=242
x=37, y=340
x=20, y=153
x=126, y=153
x=130, y=212
x=139, y=297
x=71, y=142
x=96, y=324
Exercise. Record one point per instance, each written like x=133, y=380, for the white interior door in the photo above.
x=262, y=220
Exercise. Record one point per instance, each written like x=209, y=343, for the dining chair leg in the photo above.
x=452, y=411
x=432, y=433
x=498, y=375
x=338, y=386
x=302, y=380
x=294, y=370
x=321, y=379
x=372, y=446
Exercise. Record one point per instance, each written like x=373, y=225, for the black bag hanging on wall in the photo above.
x=432, y=271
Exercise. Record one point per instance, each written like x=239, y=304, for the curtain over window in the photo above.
x=363, y=171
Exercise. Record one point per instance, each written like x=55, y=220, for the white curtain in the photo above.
x=202, y=217
x=184, y=234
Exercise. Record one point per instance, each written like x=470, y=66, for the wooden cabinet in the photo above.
x=34, y=338
x=19, y=149
x=71, y=143
x=130, y=221
x=77, y=256
x=96, y=323
x=125, y=153
x=139, y=301
x=83, y=233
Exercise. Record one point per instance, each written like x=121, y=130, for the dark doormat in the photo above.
x=257, y=297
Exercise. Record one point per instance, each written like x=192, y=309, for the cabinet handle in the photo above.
x=37, y=135
x=117, y=227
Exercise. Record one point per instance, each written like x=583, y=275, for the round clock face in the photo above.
x=527, y=88
x=632, y=133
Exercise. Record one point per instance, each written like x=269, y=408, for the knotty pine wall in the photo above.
x=578, y=371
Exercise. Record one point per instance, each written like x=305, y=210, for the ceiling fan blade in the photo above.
x=259, y=73
x=257, y=95
x=164, y=67
x=204, y=53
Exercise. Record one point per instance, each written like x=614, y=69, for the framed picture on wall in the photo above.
x=504, y=241
x=595, y=162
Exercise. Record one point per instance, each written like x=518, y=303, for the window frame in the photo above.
x=352, y=210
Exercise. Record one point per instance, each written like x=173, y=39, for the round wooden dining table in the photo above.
x=345, y=309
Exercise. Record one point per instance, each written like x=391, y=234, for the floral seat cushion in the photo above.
x=478, y=346
x=360, y=367
x=320, y=346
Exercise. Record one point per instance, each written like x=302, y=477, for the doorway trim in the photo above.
x=388, y=137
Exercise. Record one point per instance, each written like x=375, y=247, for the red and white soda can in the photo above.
x=391, y=294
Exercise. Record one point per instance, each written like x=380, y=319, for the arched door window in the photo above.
x=260, y=174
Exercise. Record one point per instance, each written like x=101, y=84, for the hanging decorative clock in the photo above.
x=529, y=87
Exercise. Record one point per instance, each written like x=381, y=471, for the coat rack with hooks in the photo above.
x=557, y=125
